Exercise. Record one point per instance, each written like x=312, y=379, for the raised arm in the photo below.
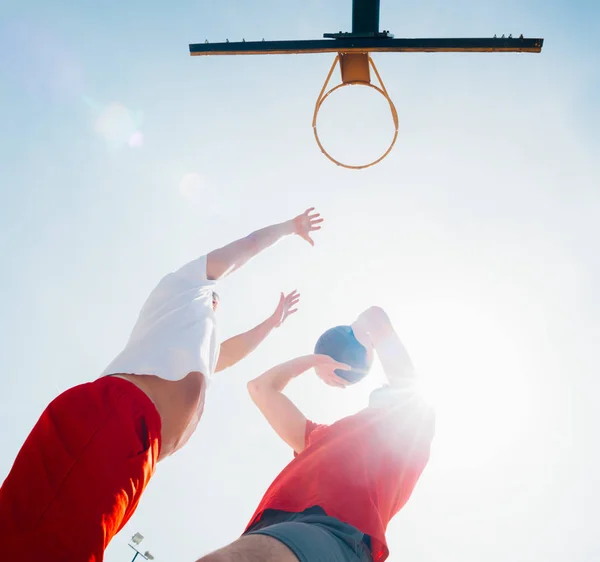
x=231, y=257
x=282, y=414
x=238, y=347
x=374, y=328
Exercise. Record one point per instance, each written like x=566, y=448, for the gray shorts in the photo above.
x=313, y=536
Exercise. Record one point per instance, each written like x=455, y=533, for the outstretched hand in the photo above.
x=286, y=307
x=307, y=222
x=325, y=368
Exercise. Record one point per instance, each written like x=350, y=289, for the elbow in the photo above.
x=373, y=315
x=254, y=389
x=377, y=323
x=378, y=314
x=260, y=391
x=215, y=268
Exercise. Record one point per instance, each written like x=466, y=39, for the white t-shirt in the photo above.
x=176, y=331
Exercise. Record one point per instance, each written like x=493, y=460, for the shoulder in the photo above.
x=403, y=407
x=313, y=432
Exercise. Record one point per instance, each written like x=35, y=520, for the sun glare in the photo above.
x=471, y=376
x=468, y=371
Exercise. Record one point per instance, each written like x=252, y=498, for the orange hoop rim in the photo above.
x=324, y=95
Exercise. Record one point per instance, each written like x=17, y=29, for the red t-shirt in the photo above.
x=361, y=469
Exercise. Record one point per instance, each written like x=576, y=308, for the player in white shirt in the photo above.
x=80, y=474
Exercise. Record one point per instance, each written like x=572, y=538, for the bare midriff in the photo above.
x=179, y=403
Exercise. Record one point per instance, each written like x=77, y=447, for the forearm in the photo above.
x=395, y=360
x=225, y=260
x=266, y=237
x=375, y=326
x=281, y=413
x=277, y=378
x=238, y=347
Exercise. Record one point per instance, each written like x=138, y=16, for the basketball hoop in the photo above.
x=354, y=50
x=355, y=70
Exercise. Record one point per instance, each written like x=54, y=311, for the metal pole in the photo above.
x=365, y=16
x=136, y=555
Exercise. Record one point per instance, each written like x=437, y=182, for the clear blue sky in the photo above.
x=121, y=157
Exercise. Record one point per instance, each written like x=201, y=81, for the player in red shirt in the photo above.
x=334, y=500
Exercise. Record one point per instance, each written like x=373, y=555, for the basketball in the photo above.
x=340, y=344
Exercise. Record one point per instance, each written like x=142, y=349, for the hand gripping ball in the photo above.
x=340, y=344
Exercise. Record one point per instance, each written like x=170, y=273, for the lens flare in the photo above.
x=136, y=140
x=119, y=126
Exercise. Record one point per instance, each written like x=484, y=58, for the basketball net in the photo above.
x=355, y=70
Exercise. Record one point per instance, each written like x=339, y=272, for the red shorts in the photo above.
x=80, y=474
